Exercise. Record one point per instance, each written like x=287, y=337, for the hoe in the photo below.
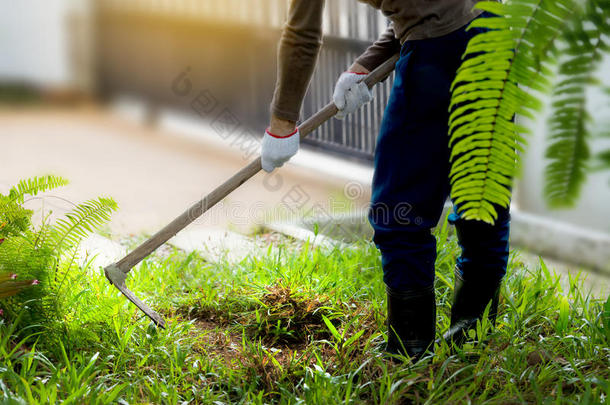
x=117, y=272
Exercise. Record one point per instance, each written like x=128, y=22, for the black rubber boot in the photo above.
x=470, y=298
x=411, y=322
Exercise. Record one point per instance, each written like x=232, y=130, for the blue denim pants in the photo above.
x=411, y=185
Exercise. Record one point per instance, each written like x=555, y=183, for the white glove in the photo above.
x=351, y=93
x=277, y=150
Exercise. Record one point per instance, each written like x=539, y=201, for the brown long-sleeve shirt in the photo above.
x=302, y=36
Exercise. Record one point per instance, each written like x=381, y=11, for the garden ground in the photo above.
x=301, y=325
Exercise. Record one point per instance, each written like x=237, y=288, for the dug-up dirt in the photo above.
x=288, y=324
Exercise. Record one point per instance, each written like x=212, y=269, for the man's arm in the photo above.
x=386, y=46
x=297, y=56
x=350, y=92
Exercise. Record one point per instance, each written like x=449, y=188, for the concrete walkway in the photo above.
x=153, y=174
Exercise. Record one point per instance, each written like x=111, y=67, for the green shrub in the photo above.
x=47, y=254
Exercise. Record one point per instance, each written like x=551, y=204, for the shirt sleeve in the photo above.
x=297, y=56
x=386, y=46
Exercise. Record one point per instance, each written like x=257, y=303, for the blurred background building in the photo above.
x=212, y=62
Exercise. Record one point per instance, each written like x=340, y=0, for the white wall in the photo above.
x=34, y=44
x=593, y=208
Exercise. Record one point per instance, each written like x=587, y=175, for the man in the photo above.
x=411, y=183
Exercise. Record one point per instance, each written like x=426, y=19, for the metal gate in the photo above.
x=228, y=48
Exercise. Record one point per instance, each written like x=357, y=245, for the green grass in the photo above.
x=302, y=325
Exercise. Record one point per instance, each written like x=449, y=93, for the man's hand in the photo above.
x=350, y=92
x=280, y=143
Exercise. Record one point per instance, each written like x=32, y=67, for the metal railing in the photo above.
x=130, y=31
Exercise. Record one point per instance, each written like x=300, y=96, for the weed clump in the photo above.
x=279, y=315
x=292, y=317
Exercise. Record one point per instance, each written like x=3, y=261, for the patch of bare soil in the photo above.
x=287, y=324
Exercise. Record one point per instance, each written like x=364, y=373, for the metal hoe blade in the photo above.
x=117, y=278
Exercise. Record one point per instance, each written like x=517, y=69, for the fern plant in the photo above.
x=569, y=133
x=34, y=186
x=505, y=71
x=46, y=253
x=14, y=218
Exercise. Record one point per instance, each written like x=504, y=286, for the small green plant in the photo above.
x=343, y=344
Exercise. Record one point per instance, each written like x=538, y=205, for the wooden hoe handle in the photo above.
x=117, y=272
x=239, y=178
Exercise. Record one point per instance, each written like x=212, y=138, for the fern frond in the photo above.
x=35, y=185
x=29, y=263
x=568, y=133
x=84, y=219
x=14, y=218
x=489, y=89
x=587, y=39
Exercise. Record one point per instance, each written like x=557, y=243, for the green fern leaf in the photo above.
x=568, y=151
x=35, y=185
x=80, y=222
x=489, y=90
